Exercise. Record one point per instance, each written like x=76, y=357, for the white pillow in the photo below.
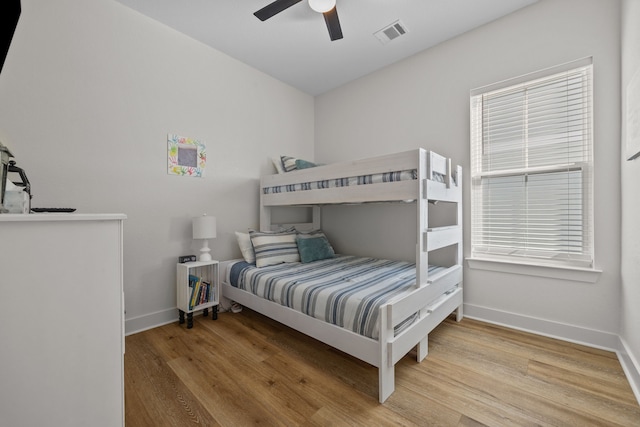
x=277, y=163
x=244, y=242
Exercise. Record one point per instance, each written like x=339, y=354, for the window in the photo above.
x=531, y=169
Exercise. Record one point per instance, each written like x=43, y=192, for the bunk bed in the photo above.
x=417, y=176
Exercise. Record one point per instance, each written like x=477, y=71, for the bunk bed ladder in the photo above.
x=422, y=205
x=422, y=255
x=459, y=253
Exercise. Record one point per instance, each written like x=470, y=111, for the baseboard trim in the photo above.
x=630, y=366
x=134, y=325
x=548, y=328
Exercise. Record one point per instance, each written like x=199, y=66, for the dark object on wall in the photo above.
x=9, y=14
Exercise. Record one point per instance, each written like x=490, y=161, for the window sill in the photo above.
x=577, y=274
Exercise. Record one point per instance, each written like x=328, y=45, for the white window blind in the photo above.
x=531, y=169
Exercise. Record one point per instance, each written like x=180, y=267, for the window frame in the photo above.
x=545, y=266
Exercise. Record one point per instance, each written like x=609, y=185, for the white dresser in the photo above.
x=61, y=320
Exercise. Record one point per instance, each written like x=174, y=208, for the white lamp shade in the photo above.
x=322, y=6
x=204, y=227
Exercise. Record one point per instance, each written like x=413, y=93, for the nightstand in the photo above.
x=197, y=285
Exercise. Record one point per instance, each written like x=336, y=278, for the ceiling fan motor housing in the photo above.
x=322, y=6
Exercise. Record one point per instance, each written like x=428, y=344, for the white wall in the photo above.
x=424, y=101
x=88, y=93
x=630, y=324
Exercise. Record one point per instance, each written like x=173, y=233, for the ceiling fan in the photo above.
x=326, y=7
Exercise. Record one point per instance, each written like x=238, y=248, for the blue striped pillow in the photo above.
x=288, y=163
x=274, y=248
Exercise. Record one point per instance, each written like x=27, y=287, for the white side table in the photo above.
x=197, y=285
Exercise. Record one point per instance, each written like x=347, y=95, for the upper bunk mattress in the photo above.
x=346, y=291
x=349, y=181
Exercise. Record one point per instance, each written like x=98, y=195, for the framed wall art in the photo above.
x=186, y=156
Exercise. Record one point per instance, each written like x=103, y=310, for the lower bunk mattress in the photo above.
x=346, y=291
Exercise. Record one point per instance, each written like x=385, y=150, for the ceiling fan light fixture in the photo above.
x=322, y=6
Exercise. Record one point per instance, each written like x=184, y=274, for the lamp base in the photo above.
x=204, y=251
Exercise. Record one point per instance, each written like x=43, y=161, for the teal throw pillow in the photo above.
x=314, y=249
x=304, y=164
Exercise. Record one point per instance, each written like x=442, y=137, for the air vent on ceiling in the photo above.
x=391, y=32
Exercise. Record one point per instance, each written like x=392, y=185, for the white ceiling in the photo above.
x=294, y=45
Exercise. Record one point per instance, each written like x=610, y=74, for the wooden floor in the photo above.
x=244, y=369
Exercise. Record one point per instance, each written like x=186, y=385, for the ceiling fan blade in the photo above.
x=333, y=24
x=274, y=8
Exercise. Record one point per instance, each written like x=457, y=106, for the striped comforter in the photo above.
x=345, y=291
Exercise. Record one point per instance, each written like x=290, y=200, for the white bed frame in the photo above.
x=435, y=297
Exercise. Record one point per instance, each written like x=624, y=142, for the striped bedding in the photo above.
x=349, y=181
x=345, y=291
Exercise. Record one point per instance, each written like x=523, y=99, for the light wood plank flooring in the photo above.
x=245, y=369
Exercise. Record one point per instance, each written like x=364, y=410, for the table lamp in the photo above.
x=204, y=227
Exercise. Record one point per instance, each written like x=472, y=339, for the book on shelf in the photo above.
x=205, y=292
x=201, y=291
x=194, y=285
